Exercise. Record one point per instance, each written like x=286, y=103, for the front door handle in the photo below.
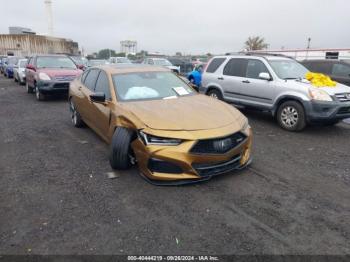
x=220, y=78
x=246, y=81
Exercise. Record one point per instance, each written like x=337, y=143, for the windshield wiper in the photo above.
x=291, y=78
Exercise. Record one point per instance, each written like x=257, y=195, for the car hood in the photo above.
x=339, y=88
x=55, y=72
x=190, y=113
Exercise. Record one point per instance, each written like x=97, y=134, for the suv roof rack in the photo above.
x=257, y=53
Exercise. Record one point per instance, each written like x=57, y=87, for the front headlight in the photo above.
x=320, y=95
x=245, y=129
x=155, y=140
x=43, y=76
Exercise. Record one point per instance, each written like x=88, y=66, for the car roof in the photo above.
x=54, y=55
x=249, y=56
x=131, y=68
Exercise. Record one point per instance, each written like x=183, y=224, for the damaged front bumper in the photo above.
x=176, y=165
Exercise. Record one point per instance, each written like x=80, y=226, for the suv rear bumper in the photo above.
x=326, y=111
x=53, y=87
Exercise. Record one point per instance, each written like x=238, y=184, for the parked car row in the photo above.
x=151, y=117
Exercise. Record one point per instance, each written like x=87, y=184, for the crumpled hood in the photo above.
x=57, y=72
x=190, y=113
x=339, y=88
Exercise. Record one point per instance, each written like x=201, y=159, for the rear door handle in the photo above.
x=246, y=81
x=220, y=78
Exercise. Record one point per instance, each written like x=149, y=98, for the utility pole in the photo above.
x=308, y=47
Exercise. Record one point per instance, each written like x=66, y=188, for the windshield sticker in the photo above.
x=180, y=90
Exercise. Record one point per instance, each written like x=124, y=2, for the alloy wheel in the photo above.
x=73, y=113
x=214, y=95
x=37, y=93
x=289, y=116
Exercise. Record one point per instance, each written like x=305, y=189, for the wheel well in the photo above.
x=213, y=88
x=285, y=99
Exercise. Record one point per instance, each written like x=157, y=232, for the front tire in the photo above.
x=29, y=89
x=120, y=150
x=291, y=116
x=216, y=94
x=39, y=96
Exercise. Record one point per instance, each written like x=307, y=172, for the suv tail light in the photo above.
x=206, y=65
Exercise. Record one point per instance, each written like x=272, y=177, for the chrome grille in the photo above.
x=343, y=97
x=218, y=145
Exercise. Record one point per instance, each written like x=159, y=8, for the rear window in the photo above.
x=215, y=64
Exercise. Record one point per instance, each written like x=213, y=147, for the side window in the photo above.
x=341, y=70
x=320, y=67
x=84, y=75
x=215, y=64
x=236, y=67
x=30, y=62
x=90, y=79
x=254, y=68
x=102, y=85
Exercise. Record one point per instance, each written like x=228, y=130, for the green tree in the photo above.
x=105, y=53
x=255, y=43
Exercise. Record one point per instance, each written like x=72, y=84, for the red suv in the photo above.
x=50, y=74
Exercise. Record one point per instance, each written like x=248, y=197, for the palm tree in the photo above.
x=255, y=43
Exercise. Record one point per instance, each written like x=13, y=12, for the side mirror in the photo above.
x=81, y=67
x=31, y=67
x=265, y=76
x=98, y=97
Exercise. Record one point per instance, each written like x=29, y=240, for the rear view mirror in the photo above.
x=265, y=76
x=98, y=97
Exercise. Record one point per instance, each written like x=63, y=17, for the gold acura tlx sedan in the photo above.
x=151, y=117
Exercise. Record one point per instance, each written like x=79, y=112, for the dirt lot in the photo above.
x=56, y=197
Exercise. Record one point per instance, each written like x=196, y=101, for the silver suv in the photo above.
x=277, y=84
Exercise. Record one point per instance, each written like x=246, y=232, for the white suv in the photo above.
x=277, y=84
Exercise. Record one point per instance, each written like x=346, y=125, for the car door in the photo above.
x=101, y=112
x=232, y=79
x=87, y=88
x=341, y=73
x=255, y=91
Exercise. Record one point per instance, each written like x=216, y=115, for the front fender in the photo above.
x=209, y=86
x=302, y=98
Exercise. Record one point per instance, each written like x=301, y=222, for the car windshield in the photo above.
x=55, y=62
x=288, y=69
x=162, y=62
x=22, y=63
x=97, y=62
x=12, y=60
x=149, y=86
x=123, y=60
x=78, y=60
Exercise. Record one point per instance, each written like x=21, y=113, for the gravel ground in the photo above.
x=56, y=197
